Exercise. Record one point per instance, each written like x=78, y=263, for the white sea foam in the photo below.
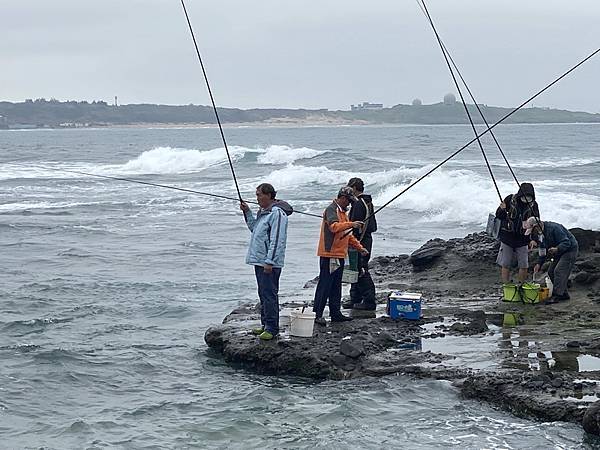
x=458, y=196
x=167, y=160
x=282, y=154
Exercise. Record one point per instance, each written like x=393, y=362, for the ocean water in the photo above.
x=107, y=287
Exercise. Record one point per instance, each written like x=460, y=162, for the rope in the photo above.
x=212, y=101
x=487, y=163
x=147, y=183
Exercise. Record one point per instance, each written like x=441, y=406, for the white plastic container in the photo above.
x=550, y=286
x=302, y=323
x=285, y=317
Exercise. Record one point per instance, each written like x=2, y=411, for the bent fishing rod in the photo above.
x=212, y=101
x=147, y=183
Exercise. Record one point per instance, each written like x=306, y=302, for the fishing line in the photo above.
x=501, y=120
x=487, y=163
x=212, y=101
x=426, y=12
x=147, y=183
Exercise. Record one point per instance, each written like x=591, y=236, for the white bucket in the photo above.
x=302, y=323
x=550, y=286
x=285, y=317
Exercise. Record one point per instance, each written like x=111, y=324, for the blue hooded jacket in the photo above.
x=269, y=235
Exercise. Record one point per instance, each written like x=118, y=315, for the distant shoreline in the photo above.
x=55, y=114
x=291, y=124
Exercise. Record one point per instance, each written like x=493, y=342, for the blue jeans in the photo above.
x=329, y=288
x=268, y=293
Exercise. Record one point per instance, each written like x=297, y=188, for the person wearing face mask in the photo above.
x=560, y=245
x=513, y=211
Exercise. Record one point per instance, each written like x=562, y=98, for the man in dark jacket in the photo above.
x=362, y=293
x=513, y=211
x=558, y=243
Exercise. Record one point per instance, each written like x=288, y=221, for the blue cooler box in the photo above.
x=404, y=305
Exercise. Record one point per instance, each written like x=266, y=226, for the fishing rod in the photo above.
x=487, y=130
x=462, y=98
x=446, y=52
x=212, y=101
x=445, y=49
x=147, y=183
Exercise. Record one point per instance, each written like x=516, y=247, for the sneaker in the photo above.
x=258, y=331
x=563, y=297
x=266, y=336
x=321, y=321
x=365, y=306
x=341, y=319
x=348, y=305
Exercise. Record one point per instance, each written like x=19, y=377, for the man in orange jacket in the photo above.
x=336, y=235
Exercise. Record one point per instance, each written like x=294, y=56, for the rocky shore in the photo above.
x=538, y=361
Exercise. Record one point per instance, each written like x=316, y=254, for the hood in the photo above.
x=526, y=189
x=284, y=206
x=366, y=197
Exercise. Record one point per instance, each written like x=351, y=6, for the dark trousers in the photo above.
x=329, y=288
x=268, y=293
x=560, y=269
x=364, y=289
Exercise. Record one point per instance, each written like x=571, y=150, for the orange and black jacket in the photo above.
x=335, y=236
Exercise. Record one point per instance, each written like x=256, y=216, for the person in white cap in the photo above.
x=558, y=243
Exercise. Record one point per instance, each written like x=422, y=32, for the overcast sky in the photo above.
x=309, y=53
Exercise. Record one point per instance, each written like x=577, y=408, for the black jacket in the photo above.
x=360, y=210
x=517, y=211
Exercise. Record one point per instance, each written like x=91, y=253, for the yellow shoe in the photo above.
x=266, y=336
x=258, y=331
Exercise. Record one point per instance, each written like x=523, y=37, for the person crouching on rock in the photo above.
x=556, y=242
x=266, y=253
x=362, y=293
x=513, y=211
x=336, y=235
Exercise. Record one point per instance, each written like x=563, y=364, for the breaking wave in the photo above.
x=282, y=154
x=448, y=195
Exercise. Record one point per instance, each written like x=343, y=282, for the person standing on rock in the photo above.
x=559, y=244
x=266, y=253
x=513, y=211
x=335, y=237
x=362, y=293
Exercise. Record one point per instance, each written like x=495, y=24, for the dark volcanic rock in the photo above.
x=426, y=255
x=460, y=283
x=587, y=239
x=351, y=349
x=591, y=419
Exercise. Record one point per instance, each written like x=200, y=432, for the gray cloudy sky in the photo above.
x=309, y=53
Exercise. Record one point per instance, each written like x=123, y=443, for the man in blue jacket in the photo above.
x=266, y=253
x=557, y=242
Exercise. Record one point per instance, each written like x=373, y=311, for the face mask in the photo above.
x=527, y=199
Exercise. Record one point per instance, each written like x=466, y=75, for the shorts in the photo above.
x=506, y=256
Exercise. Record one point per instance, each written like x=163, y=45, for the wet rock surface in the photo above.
x=540, y=361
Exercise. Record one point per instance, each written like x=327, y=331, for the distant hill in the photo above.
x=52, y=113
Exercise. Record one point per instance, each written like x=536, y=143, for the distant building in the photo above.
x=417, y=102
x=366, y=105
x=449, y=99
